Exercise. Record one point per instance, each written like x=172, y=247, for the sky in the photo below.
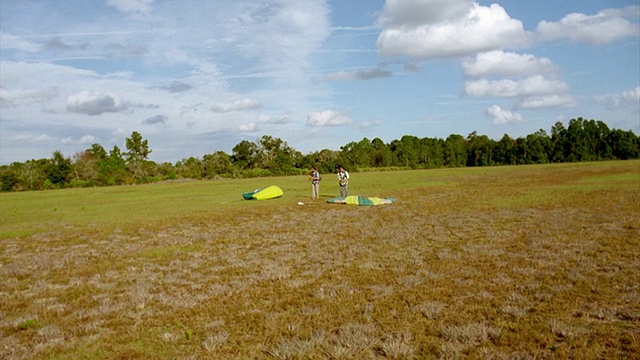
x=198, y=76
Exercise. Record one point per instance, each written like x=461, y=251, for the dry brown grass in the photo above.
x=497, y=263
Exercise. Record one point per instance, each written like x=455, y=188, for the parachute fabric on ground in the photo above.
x=360, y=200
x=270, y=192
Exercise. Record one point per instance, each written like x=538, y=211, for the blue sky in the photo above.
x=199, y=76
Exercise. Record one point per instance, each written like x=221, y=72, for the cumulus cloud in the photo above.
x=525, y=76
x=553, y=100
x=157, y=119
x=604, y=27
x=357, y=75
x=425, y=29
x=250, y=127
x=95, y=104
x=506, y=88
x=132, y=6
x=86, y=139
x=328, y=118
x=89, y=139
x=626, y=99
x=17, y=98
x=509, y=64
x=501, y=116
x=237, y=105
x=632, y=96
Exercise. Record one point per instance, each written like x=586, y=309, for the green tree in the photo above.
x=113, y=168
x=245, y=154
x=559, y=143
x=58, y=170
x=598, y=132
x=217, y=164
x=539, y=145
x=504, y=151
x=479, y=150
x=277, y=156
x=190, y=168
x=455, y=154
x=407, y=151
x=325, y=160
x=32, y=175
x=357, y=154
x=433, y=152
x=138, y=151
x=167, y=171
x=624, y=144
x=9, y=176
x=97, y=152
x=381, y=155
x=85, y=168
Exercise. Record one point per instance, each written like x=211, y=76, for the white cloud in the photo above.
x=17, y=98
x=34, y=75
x=426, y=29
x=284, y=119
x=509, y=64
x=67, y=141
x=8, y=41
x=95, y=104
x=368, y=124
x=42, y=138
x=237, y=105
x=357, y=75
x=132, y=6
x=501, y=116
x=328, y=118
x=250, y=127
x=554, y=100
x=31, y=138
x=626, y=99
x=533, y=85
x=89, y=139
x=280, y=34
x=604, y=27
x=632, y=96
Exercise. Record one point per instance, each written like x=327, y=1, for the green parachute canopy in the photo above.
x=361, y=200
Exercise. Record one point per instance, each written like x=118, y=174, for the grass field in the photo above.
x=519, y=262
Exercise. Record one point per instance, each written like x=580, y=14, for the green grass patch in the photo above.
x=29, y=324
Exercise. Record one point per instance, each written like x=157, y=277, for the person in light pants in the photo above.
x=343, y=180
x=315, y=183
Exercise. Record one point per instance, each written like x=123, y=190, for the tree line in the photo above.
x=580, y=140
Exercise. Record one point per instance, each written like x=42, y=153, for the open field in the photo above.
x=524, y=262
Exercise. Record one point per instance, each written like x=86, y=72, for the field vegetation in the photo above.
x=581, y=140
x=511, y=262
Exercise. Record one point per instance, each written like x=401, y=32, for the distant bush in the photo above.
x=81, y=183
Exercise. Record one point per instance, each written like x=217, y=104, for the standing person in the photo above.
x=343, y=180
x=315, y=183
